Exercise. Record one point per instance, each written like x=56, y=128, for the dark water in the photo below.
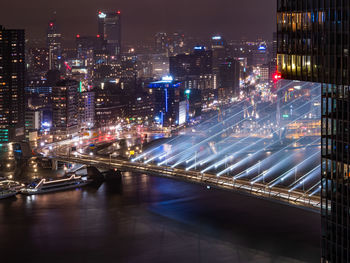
x=151, y=219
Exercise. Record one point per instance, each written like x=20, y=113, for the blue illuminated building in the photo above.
x=169, y=102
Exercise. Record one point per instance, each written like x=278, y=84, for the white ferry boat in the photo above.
x=7, y=193
x=47, y=186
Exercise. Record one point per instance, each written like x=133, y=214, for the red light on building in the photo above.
x=118, y=12
x=277, y=76
x=98, y=36
x=51, y=24
x=78, y=36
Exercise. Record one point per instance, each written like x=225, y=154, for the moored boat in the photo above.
x=7, y=193
x=47, y=186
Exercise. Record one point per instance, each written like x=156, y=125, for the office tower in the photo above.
x=229, y=76
x=86, y=47
x=54, y=46
x=219, y=49
x=87, y=109
x=12, y=81
x=199, y=62
x=176, y=43
x=161, y=42
x=65, y=107
x=111, y=103
x=170, y=106
x=260, y=55
x=38, y=61
x=313, y=45
x=109, y=29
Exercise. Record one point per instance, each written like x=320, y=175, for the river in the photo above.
x=152, y=219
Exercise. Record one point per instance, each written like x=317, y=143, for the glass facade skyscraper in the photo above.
x=109, y=29
x=53, y=42
x=313, y=45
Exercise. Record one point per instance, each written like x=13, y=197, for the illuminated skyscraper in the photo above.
x=86, y=47
x=313, y=45
x=109, y=29
x=218, y=47
x=161, y=42
x=169, y=103
x=65, y=107
x=199, y=62
x=260, y=55
x=12, y=74
x=229, y=75
x=53, y=42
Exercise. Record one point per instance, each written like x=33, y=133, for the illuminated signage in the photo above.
x=101, y=15
x=216, y=38
x=167, y=78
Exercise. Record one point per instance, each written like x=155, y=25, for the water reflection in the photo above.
x=152, y=219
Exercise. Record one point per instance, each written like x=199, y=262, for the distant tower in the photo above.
x=53, y=42
x=218, y=46
x=161, y=42
x=109, y=28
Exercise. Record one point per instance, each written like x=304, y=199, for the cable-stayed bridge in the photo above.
x=274, y=145
x=269, y=148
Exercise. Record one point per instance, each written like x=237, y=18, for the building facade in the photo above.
x=87, y=109
x=199, y=62
x=12, y=82
x=54, y=45
x=65, y=107
x=169, y=102
x=313, y=45
x=109, y=29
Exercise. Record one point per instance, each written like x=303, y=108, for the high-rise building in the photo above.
x=65, y=107
x=109, y=29
x=12, y=82
x=161, y=42
x=199, y=62
x=87, y=109
x=313, y=45
x=176, y=43
x=260, y=55
x=86, y=46
x=38, y=61
x=169, y=102
x=219, y=49
x=229, y=76
x=54, y=45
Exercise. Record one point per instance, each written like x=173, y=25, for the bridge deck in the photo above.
x=294, y=198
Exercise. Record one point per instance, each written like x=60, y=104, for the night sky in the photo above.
x=142, y=18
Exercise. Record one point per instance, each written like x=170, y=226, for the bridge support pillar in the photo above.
x=54, y=165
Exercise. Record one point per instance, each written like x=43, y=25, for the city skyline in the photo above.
x=157, y=131
x=233, y=19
